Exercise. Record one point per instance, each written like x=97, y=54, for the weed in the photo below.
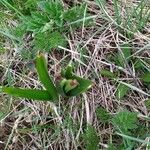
x=91, y=138
x=103, y=115
x=114, y=114
x=47, y=22
x=124, y=122
x=130, y=19
x=71, y=85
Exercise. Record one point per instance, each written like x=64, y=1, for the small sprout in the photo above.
x=69, y=85
x=79, y=85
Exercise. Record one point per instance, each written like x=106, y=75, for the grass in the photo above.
x=108, y=43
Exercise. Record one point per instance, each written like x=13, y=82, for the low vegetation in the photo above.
x=74, y=74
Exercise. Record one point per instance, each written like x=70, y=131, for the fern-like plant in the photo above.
x=91, y=138
x=125, y=121
x=47, y=23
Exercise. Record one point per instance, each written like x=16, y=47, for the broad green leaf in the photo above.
x=75, y=86
x=70, y=85
x=39, y=18
x=44, y=77
x=57, y=39
x=107, y=73
x=59, y=86
x=28, y=93
x=146, y=77
x=48, y=26
x=35, y=22
x=122, y=91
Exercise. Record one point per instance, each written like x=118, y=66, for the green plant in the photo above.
x=107, y=73
x=47, y=24
x=70, y=85
x=103, y=115
x=123, y=56
x=124, y=122
x=124, y=59
x=73, y=85
x=135, y=17
x=91, y=138
x=146, y=77
x=122, y=91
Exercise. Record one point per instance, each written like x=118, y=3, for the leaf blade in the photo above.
x=28, y=93
x=122, y=91
x=44, y=76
